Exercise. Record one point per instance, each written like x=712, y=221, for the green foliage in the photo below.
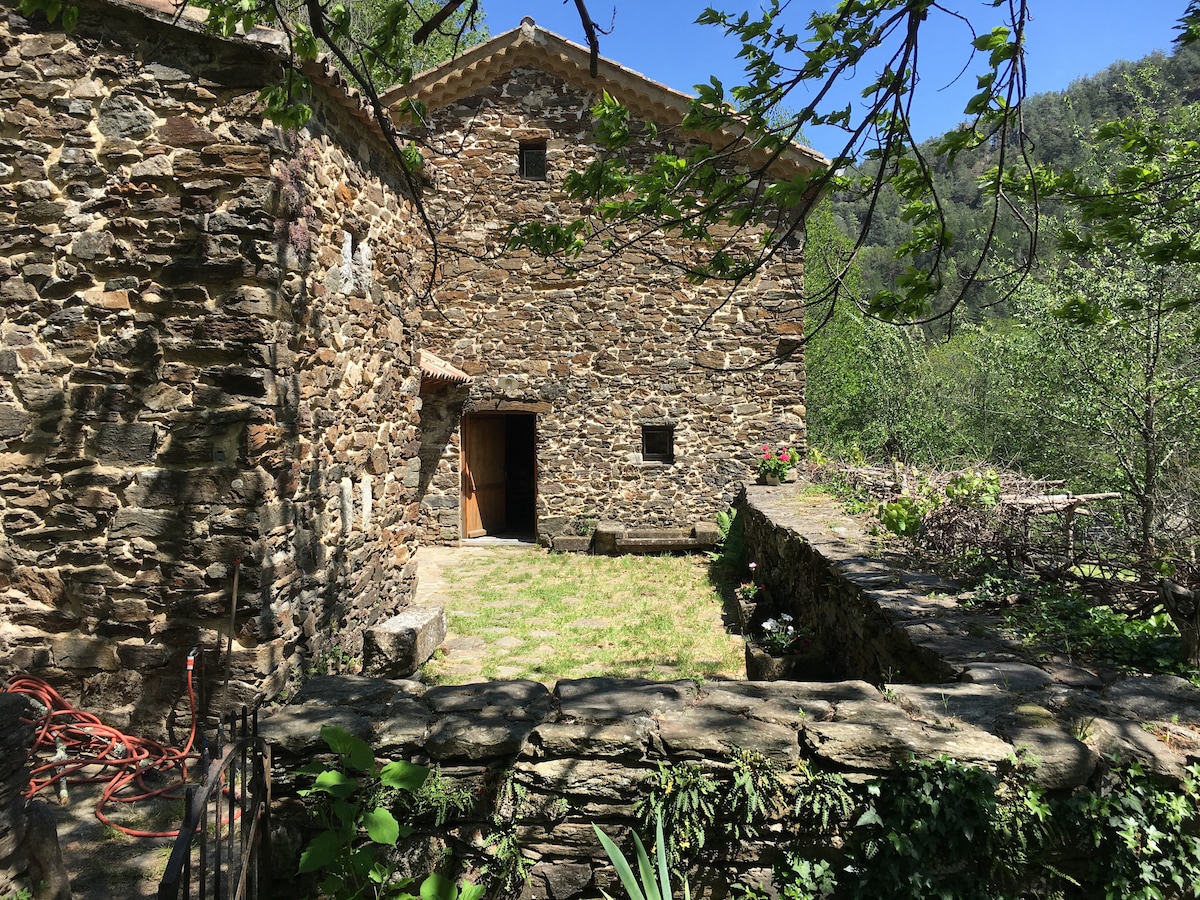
x=52, y=9
x=730, y=555
x=974, y=488
x=1043, y=615
x=754, y=795
x=655, y=879
x=800, y=878
x=937, y=828
x=507, y=867
x=821, y=801
x=903, y=515
x=438, y=799
x=357, y=827
x=942, y=829
x=1141, y=842
x=684, y=798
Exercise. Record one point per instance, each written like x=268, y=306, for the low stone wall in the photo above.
x=578, y=755
x=874, y=620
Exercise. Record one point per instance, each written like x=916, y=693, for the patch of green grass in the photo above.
x=552, y=616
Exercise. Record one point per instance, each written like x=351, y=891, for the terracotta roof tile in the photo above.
x=437, y=369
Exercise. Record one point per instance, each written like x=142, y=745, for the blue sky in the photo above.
x=1067, y=39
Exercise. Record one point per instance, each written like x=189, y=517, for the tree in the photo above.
x=699, y=193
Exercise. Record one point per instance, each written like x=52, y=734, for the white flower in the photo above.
x=770, y=625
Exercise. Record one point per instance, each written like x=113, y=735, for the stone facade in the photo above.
x=205, y=365
x=580, y=363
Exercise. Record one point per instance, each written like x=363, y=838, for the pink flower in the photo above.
x=753, y=566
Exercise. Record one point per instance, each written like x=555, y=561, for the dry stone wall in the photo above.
x=602, y=351
x=204, y=359
x=873, y=619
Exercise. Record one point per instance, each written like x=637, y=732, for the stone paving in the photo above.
x=463, y=655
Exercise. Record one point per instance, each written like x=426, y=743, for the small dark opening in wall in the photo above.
x=533, y=160
x=658, y=443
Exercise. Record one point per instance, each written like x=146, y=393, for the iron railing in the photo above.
x=222, y=851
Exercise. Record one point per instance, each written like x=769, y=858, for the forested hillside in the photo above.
x=1089, y=370
x=1061, y=126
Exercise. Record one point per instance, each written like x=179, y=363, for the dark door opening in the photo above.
x=499, y=475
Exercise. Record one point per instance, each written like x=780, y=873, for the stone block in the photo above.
x=399, y=646
x=572, y=543
x=78, y=651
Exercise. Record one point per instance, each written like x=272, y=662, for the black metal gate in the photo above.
x=222, y=852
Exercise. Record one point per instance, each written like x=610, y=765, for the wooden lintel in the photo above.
x=508, y=406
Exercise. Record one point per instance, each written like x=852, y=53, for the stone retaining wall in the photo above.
x=580, y=754
x=875, y=620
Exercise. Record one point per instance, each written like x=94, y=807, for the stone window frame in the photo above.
x=658, y=432
x=532, y=160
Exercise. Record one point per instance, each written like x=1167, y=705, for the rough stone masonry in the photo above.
x=205, y=365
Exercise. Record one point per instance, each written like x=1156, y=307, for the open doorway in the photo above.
x=499, y=475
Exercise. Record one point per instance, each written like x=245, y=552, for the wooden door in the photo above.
x=483, y=475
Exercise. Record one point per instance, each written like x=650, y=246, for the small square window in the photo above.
x=658, y=443
x=533, y=160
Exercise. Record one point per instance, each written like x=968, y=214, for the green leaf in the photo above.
x=624, y=872
x=403, y=776
x=382, y=826
x=321, y=851
x=335, y=783
x=357, y=752
x=438, y=887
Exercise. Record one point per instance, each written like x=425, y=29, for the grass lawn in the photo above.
x=548, y=616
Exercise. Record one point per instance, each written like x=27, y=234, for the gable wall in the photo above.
x=186, y=377
x=617, y=345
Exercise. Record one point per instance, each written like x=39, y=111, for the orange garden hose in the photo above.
x=82, y=744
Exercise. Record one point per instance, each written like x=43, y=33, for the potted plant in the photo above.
x=775, y=464
x=782, y=651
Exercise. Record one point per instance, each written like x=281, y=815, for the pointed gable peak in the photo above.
x=529, y=45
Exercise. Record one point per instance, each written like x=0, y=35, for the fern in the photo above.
x=822, y=800
x=684, y=797
x=755, y=793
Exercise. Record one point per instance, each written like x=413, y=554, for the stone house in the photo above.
x=615, y=393
x=206, y=374
x=229, y=413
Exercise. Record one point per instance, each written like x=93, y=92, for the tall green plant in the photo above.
x=357, y=827
x=653, y=881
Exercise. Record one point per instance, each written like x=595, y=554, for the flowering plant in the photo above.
x=775, y=463
x=780, y=636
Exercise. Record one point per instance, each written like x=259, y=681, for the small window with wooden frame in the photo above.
x=658, y=443
x=533, y=160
